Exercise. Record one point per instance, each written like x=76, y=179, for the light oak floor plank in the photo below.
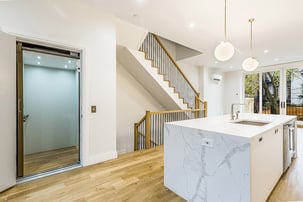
x=48, y=160
x=290, y=186
x=136, y=176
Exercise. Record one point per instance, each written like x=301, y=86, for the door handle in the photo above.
x=25, y=117
x=282, y=105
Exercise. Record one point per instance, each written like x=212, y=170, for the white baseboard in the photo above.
x=100, y=158
x=122, y=151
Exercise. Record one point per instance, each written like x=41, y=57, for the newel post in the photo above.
x=135, y=136
x=205, y=108
x=147, y=130
x=197, y=101
x=197, y=105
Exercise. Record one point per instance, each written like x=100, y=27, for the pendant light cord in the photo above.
x=225, y=35
x=251, y=33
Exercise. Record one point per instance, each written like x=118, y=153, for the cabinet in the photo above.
x=266, y=163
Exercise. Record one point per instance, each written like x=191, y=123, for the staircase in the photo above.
x=143, y=70
x=158, y=72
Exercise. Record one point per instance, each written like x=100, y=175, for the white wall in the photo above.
x=79, y=25
x=50, y=100
x=169, y=46
x=132, y=102
x=7, y=111
x=213, y=91
x=192, y=73
x=233, y=90
x=129, y=35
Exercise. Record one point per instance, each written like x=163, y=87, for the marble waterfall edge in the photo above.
x=220, y=172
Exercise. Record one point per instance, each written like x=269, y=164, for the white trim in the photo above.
x=275, y=67
x=84, y=129
x=141, y=40
x=45, y=42
x=122, y=151
x=100, y=158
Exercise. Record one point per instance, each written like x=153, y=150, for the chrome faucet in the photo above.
x=232, y=116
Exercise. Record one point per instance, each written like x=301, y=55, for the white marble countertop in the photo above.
x=223, y=124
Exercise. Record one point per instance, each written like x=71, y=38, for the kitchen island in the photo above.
x=217, y=159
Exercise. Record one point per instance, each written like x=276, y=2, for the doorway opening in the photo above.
x=275, y=91
x=48, y=109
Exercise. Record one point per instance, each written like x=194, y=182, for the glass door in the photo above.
x=271, y=92
x=251, y=93
x=262, y=92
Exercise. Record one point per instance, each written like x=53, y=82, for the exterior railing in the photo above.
x=296, y=110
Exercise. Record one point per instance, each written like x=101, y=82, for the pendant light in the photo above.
x=250, y=63
x=225, y=50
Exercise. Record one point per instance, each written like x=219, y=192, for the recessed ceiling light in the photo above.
x=140, y=1
x=65, y=66
x=265, y=51
x=69, y=62
x=192, y=25
x=276, y=59
x=38, y=63
x=230, y=67
x=39, y=57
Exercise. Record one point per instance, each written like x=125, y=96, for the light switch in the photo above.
x=93, y=108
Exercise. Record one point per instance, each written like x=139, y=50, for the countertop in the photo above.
x=224, y=124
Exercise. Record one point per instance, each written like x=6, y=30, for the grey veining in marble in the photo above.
x=202, y=173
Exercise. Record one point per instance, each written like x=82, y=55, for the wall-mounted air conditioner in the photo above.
x=216, y=77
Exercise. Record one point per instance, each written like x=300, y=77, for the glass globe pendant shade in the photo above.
x=250, y=64
x=224, y=51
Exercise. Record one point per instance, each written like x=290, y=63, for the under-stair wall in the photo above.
x=132, y=101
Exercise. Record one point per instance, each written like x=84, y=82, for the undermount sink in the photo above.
x=253, y=123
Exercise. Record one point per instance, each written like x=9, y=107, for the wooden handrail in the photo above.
x=148, y=129
x=141, y=120
x=176, y=111
x=177, y=66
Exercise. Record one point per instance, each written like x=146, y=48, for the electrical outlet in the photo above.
x=94, y=109
x=207, y=142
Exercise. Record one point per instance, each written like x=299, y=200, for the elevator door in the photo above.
x=49, y=90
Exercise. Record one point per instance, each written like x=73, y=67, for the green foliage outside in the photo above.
x=270, y=87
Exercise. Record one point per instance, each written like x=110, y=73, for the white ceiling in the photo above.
x=49, y=61
x=278, y=26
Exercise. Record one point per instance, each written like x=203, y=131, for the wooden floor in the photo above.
x=137, y=176
x=290, y=187
x=48, y=160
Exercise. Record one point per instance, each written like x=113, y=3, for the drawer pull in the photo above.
x=260, y=139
